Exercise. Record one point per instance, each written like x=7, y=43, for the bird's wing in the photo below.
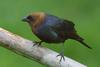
x=63, y=28
x=69, y=25
x=46, y=33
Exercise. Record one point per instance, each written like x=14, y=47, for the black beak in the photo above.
x=25, y=19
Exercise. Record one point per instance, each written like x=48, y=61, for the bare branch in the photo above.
x=25, y=48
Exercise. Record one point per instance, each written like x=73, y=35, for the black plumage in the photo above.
x=52, y=29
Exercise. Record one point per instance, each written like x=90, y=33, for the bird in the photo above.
x=53, y=29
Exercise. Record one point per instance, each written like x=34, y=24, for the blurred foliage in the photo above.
x=84, y=13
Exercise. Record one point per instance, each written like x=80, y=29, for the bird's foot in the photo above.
x=62, y=56
x=37, y=43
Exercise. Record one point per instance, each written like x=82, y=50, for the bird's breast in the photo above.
x=45, y=31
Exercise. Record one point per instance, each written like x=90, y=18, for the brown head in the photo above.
x=34, y=19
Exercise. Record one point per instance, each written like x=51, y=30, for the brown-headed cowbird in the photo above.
x=52, y=29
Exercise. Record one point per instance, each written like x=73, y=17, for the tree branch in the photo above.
x=25, y=48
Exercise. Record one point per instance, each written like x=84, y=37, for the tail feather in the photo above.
x=81, y=40
x=84, y=44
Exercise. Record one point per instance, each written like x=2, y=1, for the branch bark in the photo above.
x=25, y=48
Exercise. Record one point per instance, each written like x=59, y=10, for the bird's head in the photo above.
x=34, y=18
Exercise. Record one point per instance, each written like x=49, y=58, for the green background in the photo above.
x=84, y=13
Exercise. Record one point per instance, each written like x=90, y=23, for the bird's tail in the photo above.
x=81, y=40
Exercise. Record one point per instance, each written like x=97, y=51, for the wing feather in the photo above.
x=64, y=28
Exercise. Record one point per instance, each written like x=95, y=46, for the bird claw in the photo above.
x=62, y=56
x=37, y=43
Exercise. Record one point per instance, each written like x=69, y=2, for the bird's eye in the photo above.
x=30, y=18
